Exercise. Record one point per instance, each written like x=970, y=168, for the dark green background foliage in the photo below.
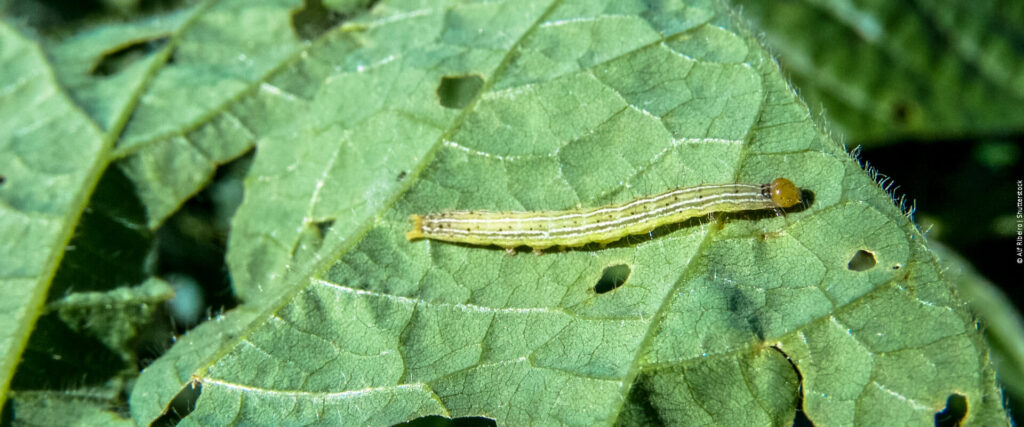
x=202, y=208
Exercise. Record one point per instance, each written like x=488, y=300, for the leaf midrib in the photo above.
x=77, y=207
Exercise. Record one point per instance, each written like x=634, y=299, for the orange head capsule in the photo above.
x=417, y=228
x=784, y=193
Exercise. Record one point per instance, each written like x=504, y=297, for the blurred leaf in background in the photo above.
x=885, y=71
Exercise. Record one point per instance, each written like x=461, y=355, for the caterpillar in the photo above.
x=604, y=224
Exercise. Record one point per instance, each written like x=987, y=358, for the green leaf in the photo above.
x=726, y=320
x=82, y=408
x=189, y=119
x=89, y=336
x=113, y=316
x=1003, y=326
x=90, y=304
x=884, y=70
x=837, y=308
x=51, y=156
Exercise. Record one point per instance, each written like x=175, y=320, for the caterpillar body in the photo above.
x=605, y=224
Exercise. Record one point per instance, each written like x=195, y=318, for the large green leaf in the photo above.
x=51, y=156
x=415, y=108
x=882, y=70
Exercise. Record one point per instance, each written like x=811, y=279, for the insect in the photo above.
x=605, y=224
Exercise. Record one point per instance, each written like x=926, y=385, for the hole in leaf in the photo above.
x=314, y=19
x=116, y=61
x=862, y=260
x=401, y=176
x=612, y=277
x=323, y=227
x=896, y=267
x=800, y=417
x=439, y=421
x=182, y=405
x=458, y=91
x=953, y=415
